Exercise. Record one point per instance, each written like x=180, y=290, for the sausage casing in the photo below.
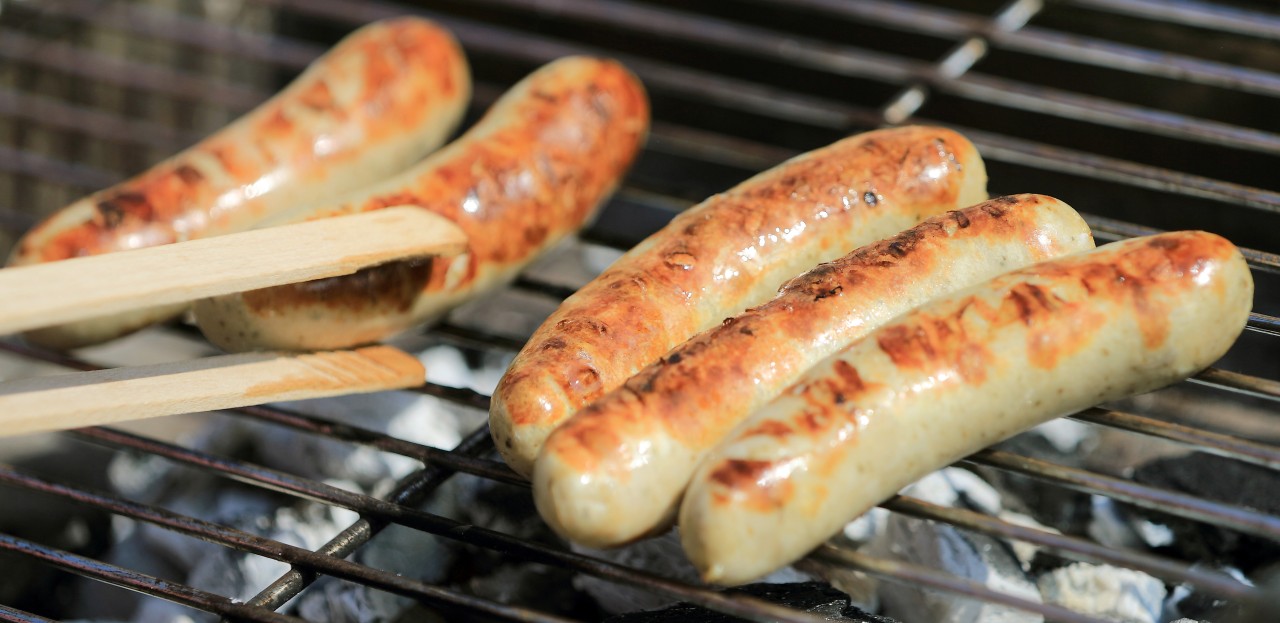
x=534, y=170
x=953, y=377
x=728, y=253
x=615, y=471
x=378, y=101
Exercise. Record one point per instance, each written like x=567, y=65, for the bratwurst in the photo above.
x=953, y=377
x=728, y=253
x=615, y=471
x=377, y=102
x=534, y=170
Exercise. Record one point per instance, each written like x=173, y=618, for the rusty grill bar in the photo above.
x=903, y=87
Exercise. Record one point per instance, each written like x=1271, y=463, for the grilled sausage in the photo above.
x=533, y=171
x=378, y=101
x=730, y=252
x=615, y=471
x=952, y=377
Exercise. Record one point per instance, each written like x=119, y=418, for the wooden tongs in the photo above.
x=77, y=289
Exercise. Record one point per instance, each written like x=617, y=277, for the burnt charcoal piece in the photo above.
x=814, y=597
x=1221, y=480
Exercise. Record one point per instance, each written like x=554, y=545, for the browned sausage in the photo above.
x=952, y=377
x=378, y=101
x=533, y=171
x=615, y=471
x=728, y=253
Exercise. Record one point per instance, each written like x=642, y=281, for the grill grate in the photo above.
x=737, y=87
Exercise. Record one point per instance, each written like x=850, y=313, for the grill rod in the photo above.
x=860, y=63
x=16, y=45
x=1194, y=14
x=463, y=460
x=911, y=573
x=141, y=582
x=14, y=615
x=253, y=544
x=709, y=87
x=256, y=475
x=412, y=491
x=1162, y=500
x=940, y=22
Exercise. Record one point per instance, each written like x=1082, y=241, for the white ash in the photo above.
x=946, y=548
x=1152, y=533
x=866, y=526
x=952, y=486
x=1104, y=591
x=1066, y=436
x=661, y=556
x=1025, y=552
x=149, y=479
x=1109, y=525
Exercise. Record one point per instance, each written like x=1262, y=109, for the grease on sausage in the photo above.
x=955, y=376
x=728, y=253
x=382, y=98
x=615, y=471
x=534, y=170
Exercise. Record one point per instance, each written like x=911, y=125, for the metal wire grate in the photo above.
x=737, y=87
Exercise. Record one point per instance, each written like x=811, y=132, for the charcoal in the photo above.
x=662, y=556
x=953, y=551
x=1222, y=480
x=813, y=597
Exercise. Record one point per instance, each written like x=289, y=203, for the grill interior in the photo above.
x=1144, y=115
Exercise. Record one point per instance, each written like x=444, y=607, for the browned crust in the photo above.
x=1060, y=303
x=690, y=394
x=644, y=304
x=405, y=66
x=540, y=176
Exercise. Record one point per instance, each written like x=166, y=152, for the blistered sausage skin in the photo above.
x=615, y=471
x=728, y=253
x=533, y=171
x=377, y=102
x=953, y=377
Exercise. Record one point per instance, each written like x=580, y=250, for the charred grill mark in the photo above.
x=753, y=484
x=390, y=287
x=961, y=219
x=188, y=174
x=122, y=207
x=1059, y=319
x=829, y=292
x=768, y=428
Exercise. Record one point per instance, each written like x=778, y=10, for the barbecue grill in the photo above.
x=1145, y=115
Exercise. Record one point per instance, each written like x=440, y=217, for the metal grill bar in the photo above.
x=168, y=26
x=412, y=491
x=141, y=582
x=747, y=607
x=253, y=544
x=1174, y=503
x=461, y=459
x=1174, y=571
x=1215, y=443
x=19, y=162
x=18, y=46
x=14, y=615
x=708, y=147
x=917, y=18
x=1254, y=386
x=906, y=572
x=780, y=104
x=55, y=113
x=867, y=64
x=1192, y=13
x=786, y=105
